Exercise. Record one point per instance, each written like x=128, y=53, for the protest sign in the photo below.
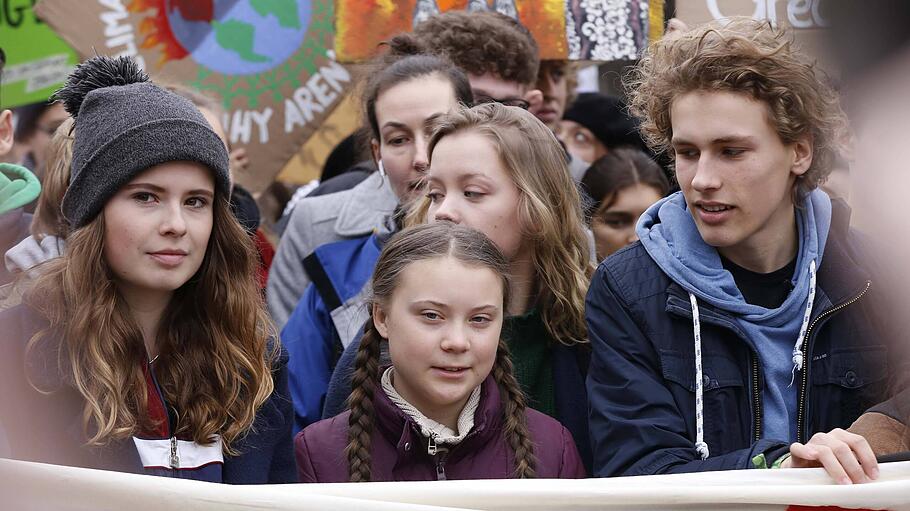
x=25, y=486
x=270, y=62
x=602, y=30
x=37, y=60
x=807, y=18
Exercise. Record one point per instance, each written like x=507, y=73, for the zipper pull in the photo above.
x=431, y=445
x=175, y=458
x=441, y=468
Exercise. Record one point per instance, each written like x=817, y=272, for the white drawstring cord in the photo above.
x=798, y=347
x=700, y=444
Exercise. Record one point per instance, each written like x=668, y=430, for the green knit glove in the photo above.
x=18, y=187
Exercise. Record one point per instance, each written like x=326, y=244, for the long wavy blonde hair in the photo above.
x=549, y=208
x=217, y=344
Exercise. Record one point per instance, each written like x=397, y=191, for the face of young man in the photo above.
x=737, y=176
x=551, y=81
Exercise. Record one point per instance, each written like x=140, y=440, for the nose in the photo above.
x=421, y=161
x=707, y=175
x=173, y=222
x=455, y=339
x=446, y=211
x=631, y=236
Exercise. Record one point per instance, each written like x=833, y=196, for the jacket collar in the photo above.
x=400, y=430
x=366, y=207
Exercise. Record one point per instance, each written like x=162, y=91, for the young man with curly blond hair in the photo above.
x=742, y=330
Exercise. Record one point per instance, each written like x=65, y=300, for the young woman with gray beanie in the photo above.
x=145, y=347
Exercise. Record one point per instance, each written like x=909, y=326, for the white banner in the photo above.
x=32, y=486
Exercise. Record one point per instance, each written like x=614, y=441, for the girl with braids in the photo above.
x=499, y=170
x=145, y=346
x=449, y=406
x=398, y=101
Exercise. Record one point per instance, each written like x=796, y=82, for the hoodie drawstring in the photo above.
x=798, y=361
x=798, y=347
x=700, y=444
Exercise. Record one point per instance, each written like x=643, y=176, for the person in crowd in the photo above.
x=872, y=47
x=146, y=347
x=744, y=329
x=621, y=185
x=242, y=203
x=48, y=227
x=398, y=102
x=499, y=170
x=594, y=124
x=18, y=188
x=556, y=80
x=35, y=126
x=500, y=58
x=448, y=406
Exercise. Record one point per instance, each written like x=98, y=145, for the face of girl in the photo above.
x=469, y=185
x=157, y=227
x=580, y=142
x=402, y=112
x=443, y=324
x=614, y=226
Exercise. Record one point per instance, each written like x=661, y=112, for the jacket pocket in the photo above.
x=717, y=371
x=727, y=406
x=854, y=378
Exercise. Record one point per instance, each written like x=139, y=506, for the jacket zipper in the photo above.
x=801, y=404
x=756, y=399
x=174, y=460
x=439, y=455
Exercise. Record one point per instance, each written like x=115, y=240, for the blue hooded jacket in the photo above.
x=670, y=236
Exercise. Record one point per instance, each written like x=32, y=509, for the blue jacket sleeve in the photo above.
x=635, y=423
x=307, y=337
x=340, y=382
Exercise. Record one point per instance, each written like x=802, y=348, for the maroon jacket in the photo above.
x=400, y=452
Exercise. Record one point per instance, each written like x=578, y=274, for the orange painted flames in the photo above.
x=156, y=30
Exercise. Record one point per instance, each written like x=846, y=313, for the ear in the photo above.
x=379, y=321
x=802, y=157
x=6, y=131
x=374, y=148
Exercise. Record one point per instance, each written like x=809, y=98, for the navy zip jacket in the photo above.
x=47, y=428
x=641, y=383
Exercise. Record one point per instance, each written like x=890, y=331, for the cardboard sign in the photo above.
x=564, y=29
x=269, y=61
x=37, y=61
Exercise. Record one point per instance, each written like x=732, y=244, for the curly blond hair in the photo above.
x=745, y=56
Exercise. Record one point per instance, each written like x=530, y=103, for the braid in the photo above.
x=360, y=402
x=516, y=421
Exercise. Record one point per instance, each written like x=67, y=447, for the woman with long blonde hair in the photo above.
x=145, y=347
x=499, y=170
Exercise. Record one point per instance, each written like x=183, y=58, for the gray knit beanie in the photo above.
x=125, y=124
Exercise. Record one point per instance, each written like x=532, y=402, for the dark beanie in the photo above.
x=607, y=118
x=125, y=124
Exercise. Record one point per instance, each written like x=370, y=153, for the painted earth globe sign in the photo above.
x=239, y=37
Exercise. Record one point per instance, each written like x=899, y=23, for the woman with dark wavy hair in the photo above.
x=145, y=347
